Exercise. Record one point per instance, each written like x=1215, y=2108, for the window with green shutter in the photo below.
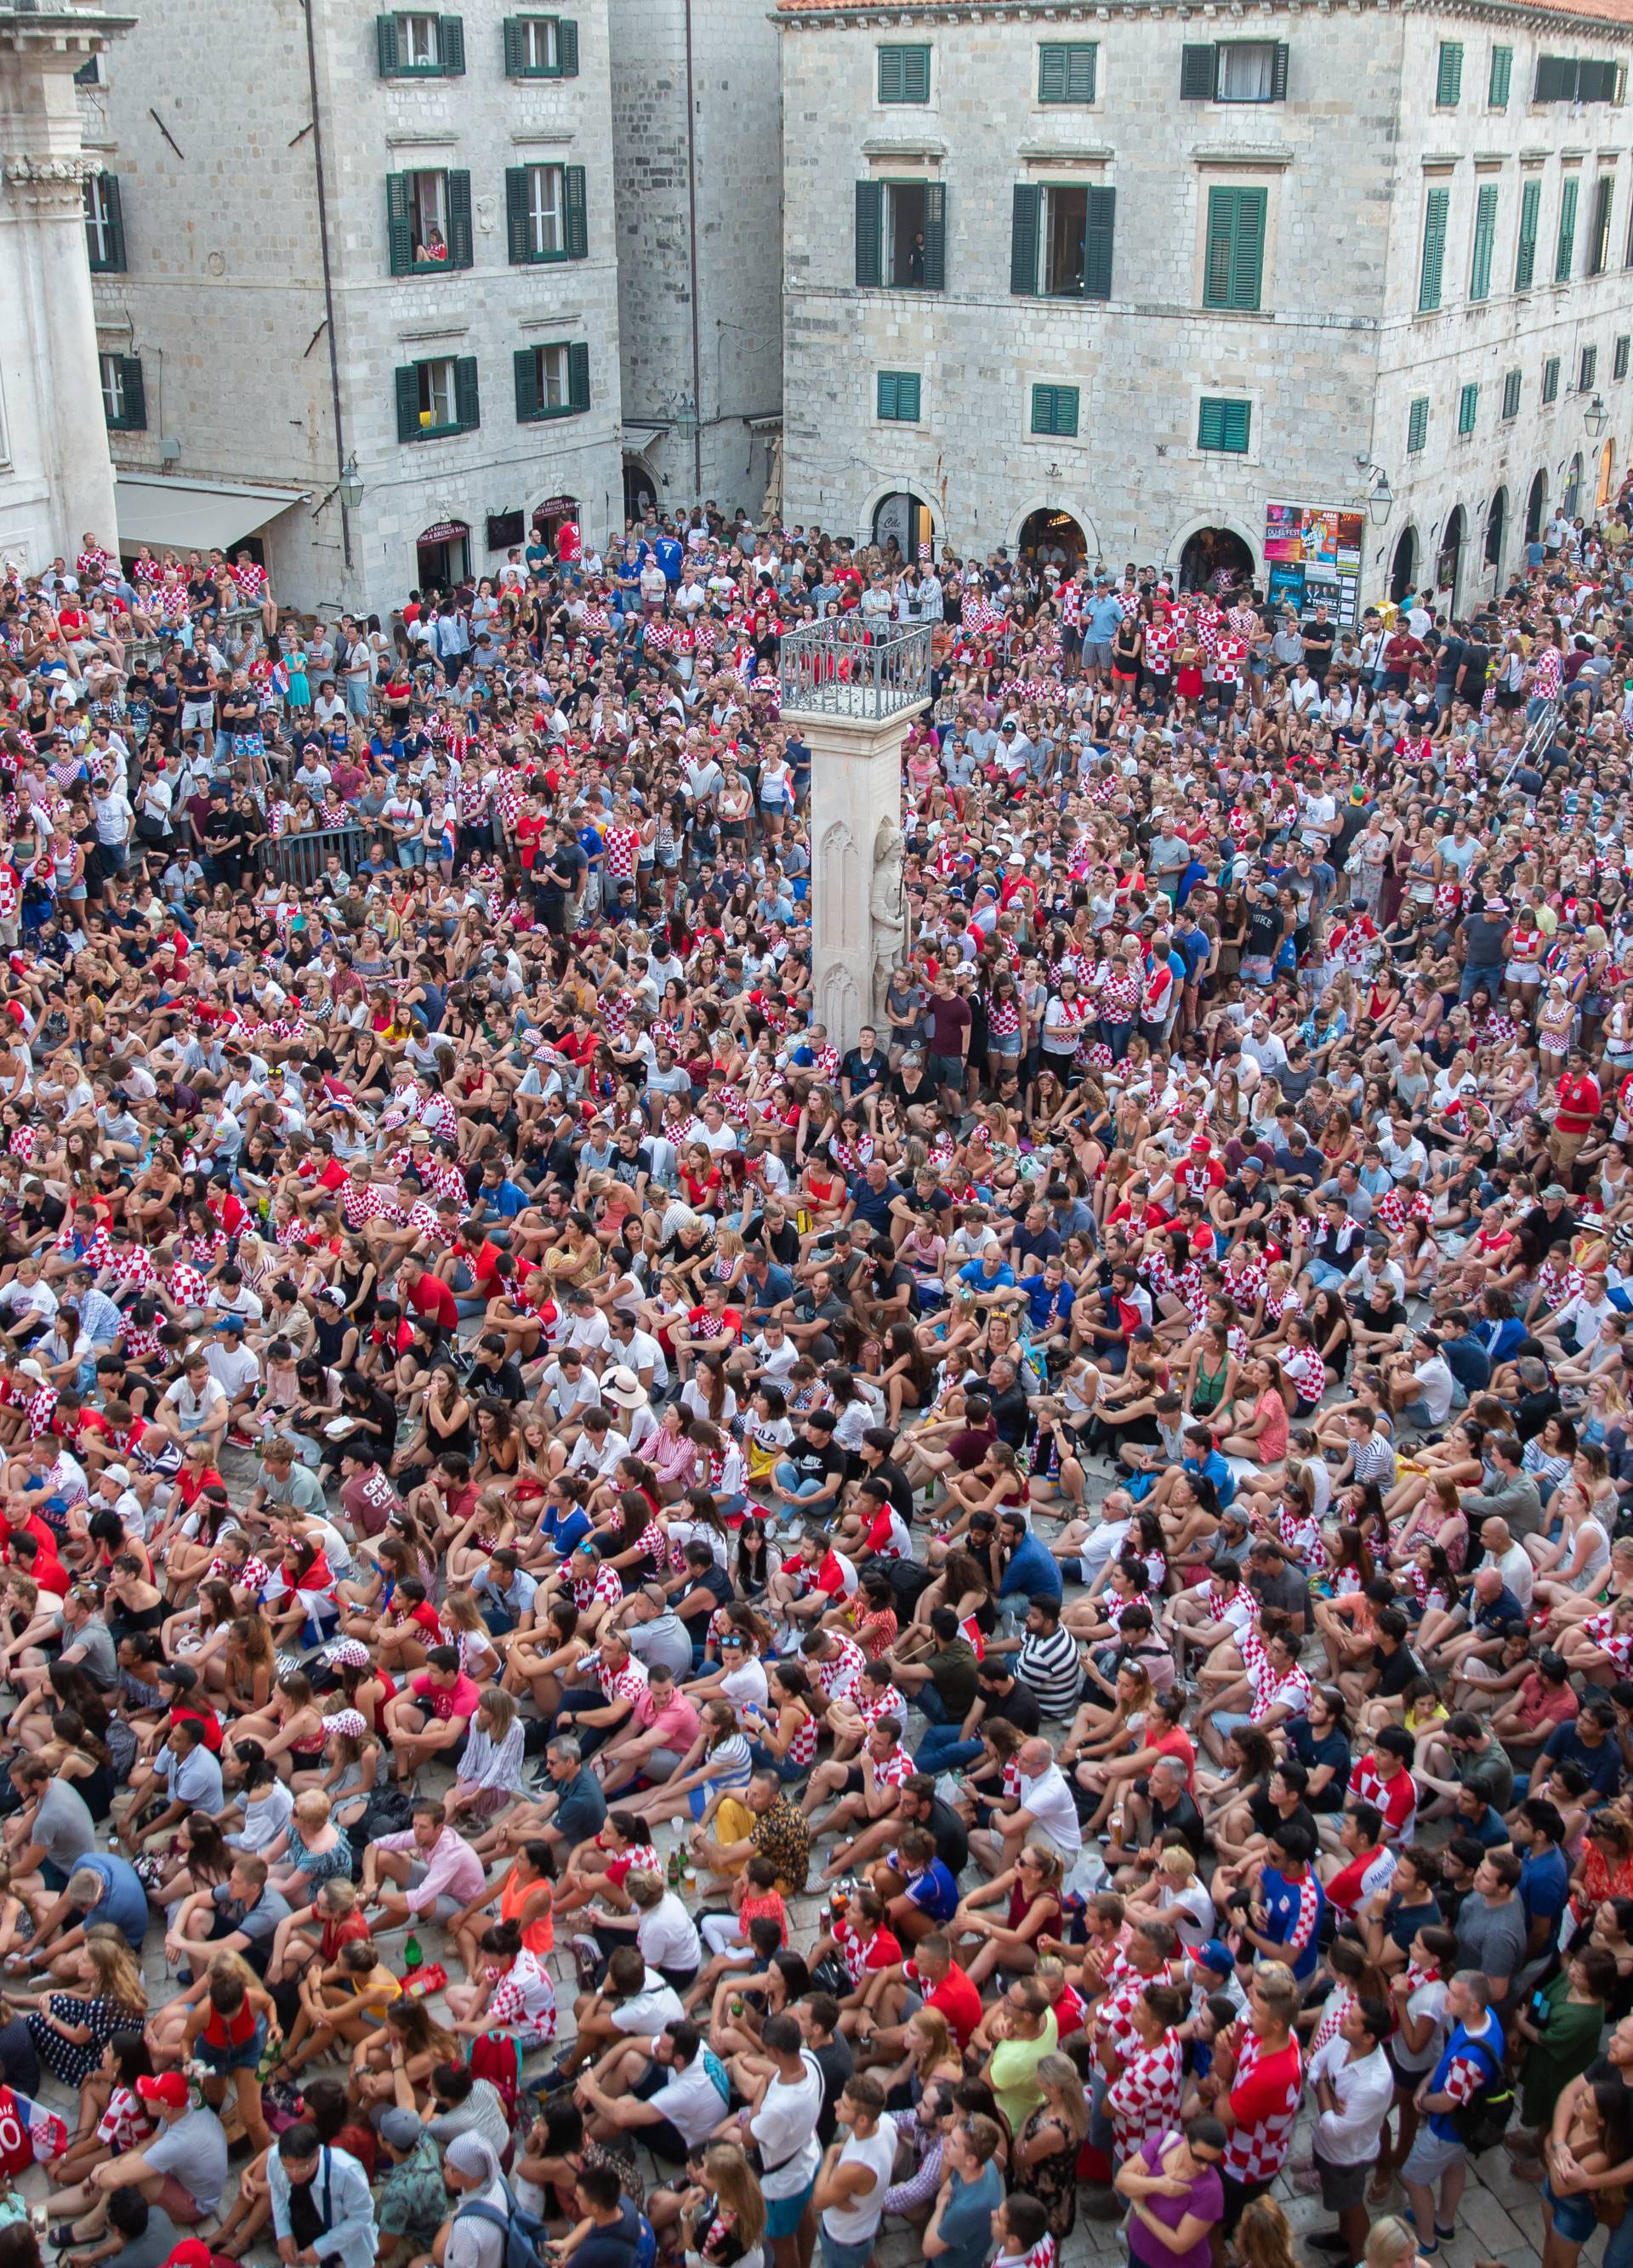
x=1564, y=250
x=1511, y=395
x=1485, y=239
x=904, y=74
x=551, y=381
x=1598, y=233
x=1502, y=76
x=1619, y=356
x=1550, y=379
x=1530, y=224
x=541, y=46
x=436, y=397
x=898, y=396
x=1432, y=276
x=1066, y=72
x=1233, y=266
x=1234, y=70
x=428, y=227
x=1222, y=427
x=1467, y=408
x=1417, y=425
x=1449, y=79
x=1587, y=370
x=1571, y=78
x=104, y=224
x=412, y=43
x=124, y=392
x=1054, y=411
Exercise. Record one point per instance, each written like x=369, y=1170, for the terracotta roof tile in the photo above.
x=1584, y=11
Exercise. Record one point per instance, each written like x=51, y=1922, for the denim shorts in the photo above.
x=835, y=2255
x=783, y=2215
x=1574, y=2217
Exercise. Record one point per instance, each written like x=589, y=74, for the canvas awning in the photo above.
x=193, y=515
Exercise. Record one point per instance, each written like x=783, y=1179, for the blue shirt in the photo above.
x=562, y=1530
x=1034, y=1571
x=123, y=1902
x=934, y=1891
x=974, y=1271
x=1101, y=620
x=1544, y=1885
x=670, y=555
x=966, y=2222
x=1282, y=1901
x=1602, y=1764
x=1048, y=1309
x=1486, y=2049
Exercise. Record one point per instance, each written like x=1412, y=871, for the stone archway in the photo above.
x=1497, y=532
x=1214, y=558
x=1449, y=557
x=1403, y=566
x=1071, y=529
x=911, y=516
x=1536, y=505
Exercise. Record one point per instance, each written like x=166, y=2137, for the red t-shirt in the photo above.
x=430, y=1297
x=1580, y=1100
x=958, y=2000
x=462, y=1698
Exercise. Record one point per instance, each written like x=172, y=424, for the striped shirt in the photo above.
x=1050, y=1670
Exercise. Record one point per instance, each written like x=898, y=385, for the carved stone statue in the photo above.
x=886, y=905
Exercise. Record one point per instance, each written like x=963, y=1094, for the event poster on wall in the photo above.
x=1313, y=552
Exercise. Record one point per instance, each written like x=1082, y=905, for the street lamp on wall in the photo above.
x=1380, y=498
x=351, y=485
x=1596, y=417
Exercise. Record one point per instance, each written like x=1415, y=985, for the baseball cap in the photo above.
x=400, y=2128
x=192, y=2252
x=168, y=2087
x=1214, y=1955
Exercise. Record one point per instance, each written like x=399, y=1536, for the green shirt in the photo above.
x=1012, y=2069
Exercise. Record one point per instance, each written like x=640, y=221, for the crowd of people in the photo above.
x=690, y=1641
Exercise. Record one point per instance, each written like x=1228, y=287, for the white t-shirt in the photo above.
x=784, y=2127
x=667, y=1936
x=655, y=2005
x=691, y=2100
x=1049, y=1800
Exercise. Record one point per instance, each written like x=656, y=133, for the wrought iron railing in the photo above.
x=846, y=666
x=1539, y=734
x=299, y=860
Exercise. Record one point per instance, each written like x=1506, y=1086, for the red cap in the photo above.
x=192, y=2252
x=169, y=2087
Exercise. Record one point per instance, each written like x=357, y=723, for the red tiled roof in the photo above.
x=1597, y=11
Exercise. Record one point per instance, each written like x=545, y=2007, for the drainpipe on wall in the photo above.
x=692, y=232
x=329, y=276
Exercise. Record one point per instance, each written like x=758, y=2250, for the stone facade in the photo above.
x=1327, y=353
x=731, y=368
x=57, y=476
x=223, y=296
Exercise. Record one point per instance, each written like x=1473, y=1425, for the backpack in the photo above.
x=389, y=1811
x=496, y=2057
x=526, y=2234
x=1480, y=2123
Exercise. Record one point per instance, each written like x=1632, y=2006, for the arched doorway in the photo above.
x=1449, y=559
x=1606, y=473
x=1496, y=529
x=1214, y=558
x=1403, y=566
x=556, y=522
x=901, y=523
x=1571, y=503
x=442, y=555
x=641, y=489
x=1535, y=504
x=1055, y=538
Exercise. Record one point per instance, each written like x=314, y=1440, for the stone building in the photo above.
x=697, y=157
x=1343, y=292
x=334, y=250
x=57, y=476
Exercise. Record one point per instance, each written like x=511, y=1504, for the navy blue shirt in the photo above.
x=1602, y=1764
x=1033, y=1570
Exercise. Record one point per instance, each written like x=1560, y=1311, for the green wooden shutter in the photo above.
x=907, y=396
x=568, y=47
x=451, y=45
x=1467, y=408
x=1564, y=252
x=1099, y=240
x=1526, y=255
x=1556, y=79
x=884, y=395
x=869, y=235
x=1550, y=379
x=386, y=42
x=1066, y=412
x=1043, y=409
x=934, y=237
x=114, y=217
x=1598, y=242
x=1432, y=275
x=408, y=402
x=1224, y=427
x=1234, y=271
x=1619, y=360
x=399, y=224
x=575, y=212
x=1485, y=238
x=515, y=48
x=1196, y=74
x=1449, y=80
x=518, y=219
x=1511, y=395
x=526, y=364
x=1025, y=221
x=1278, y=72
x=904, y=74
x=461, y=249
x=133, y=392
x=1417, y=425
x=1066, y=73
x=577, y=378
x=466, y=403
x=1502, y=75
x=890, y=74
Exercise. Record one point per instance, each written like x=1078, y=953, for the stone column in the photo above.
x=852, y=695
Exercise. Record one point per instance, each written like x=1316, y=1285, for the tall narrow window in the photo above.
x=1436, y=211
